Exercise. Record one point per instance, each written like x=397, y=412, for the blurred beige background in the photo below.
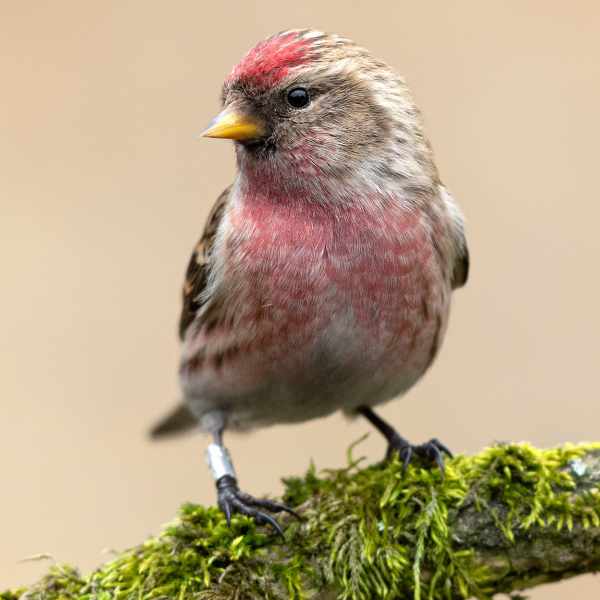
x=104, y=190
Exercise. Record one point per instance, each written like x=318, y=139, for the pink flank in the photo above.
x=270, y=61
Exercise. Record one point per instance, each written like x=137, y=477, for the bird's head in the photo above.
x=305, y=108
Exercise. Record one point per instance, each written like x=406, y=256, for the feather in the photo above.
x=199, y=266
x=178, y=420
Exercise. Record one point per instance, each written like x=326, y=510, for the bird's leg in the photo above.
x=229, y=497
x=432, y=451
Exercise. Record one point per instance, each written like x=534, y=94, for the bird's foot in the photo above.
x=430, y=452
x=232, y=500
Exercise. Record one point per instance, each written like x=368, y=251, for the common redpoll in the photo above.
x=323, y=278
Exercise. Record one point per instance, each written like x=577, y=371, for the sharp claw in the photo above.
x=271, y=521
x=231, y=499
x=242, y=503
x=293, y=513
x=407, y=458
x=277, y=507
x=440, y=462
x=442, y=447
x=268, y=504
x=227, y=510
x=433, y=450
x=240, y=507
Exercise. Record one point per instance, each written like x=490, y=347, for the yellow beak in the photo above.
x=234, y=125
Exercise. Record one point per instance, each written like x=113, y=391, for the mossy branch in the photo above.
x=509, y=518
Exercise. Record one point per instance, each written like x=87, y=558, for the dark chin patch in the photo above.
x=259, y=148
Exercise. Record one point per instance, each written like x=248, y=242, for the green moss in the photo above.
x=369, y=533
x=12, y=595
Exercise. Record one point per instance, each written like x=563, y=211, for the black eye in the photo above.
x=298, y=97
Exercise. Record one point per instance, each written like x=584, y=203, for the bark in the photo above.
x=539, y=555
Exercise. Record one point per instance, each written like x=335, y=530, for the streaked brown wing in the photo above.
x=460, y=273
x=460, y=268
x=199, y=266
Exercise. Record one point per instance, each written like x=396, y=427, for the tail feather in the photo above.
x=179, y=420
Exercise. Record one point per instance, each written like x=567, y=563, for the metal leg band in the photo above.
x=219, y=461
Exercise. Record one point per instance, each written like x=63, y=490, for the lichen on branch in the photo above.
x=509, y=518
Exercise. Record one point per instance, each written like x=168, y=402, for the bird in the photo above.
x=324, y=275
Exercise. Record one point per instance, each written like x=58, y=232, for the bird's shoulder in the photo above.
x=199, y=265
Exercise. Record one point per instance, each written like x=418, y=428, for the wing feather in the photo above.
x=460, y=268
x=198, y=267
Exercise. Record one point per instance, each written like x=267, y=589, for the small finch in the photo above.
x=323, y=278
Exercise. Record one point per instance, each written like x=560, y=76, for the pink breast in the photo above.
x=302, y=266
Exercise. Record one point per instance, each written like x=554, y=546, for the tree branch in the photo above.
x=509, y=518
